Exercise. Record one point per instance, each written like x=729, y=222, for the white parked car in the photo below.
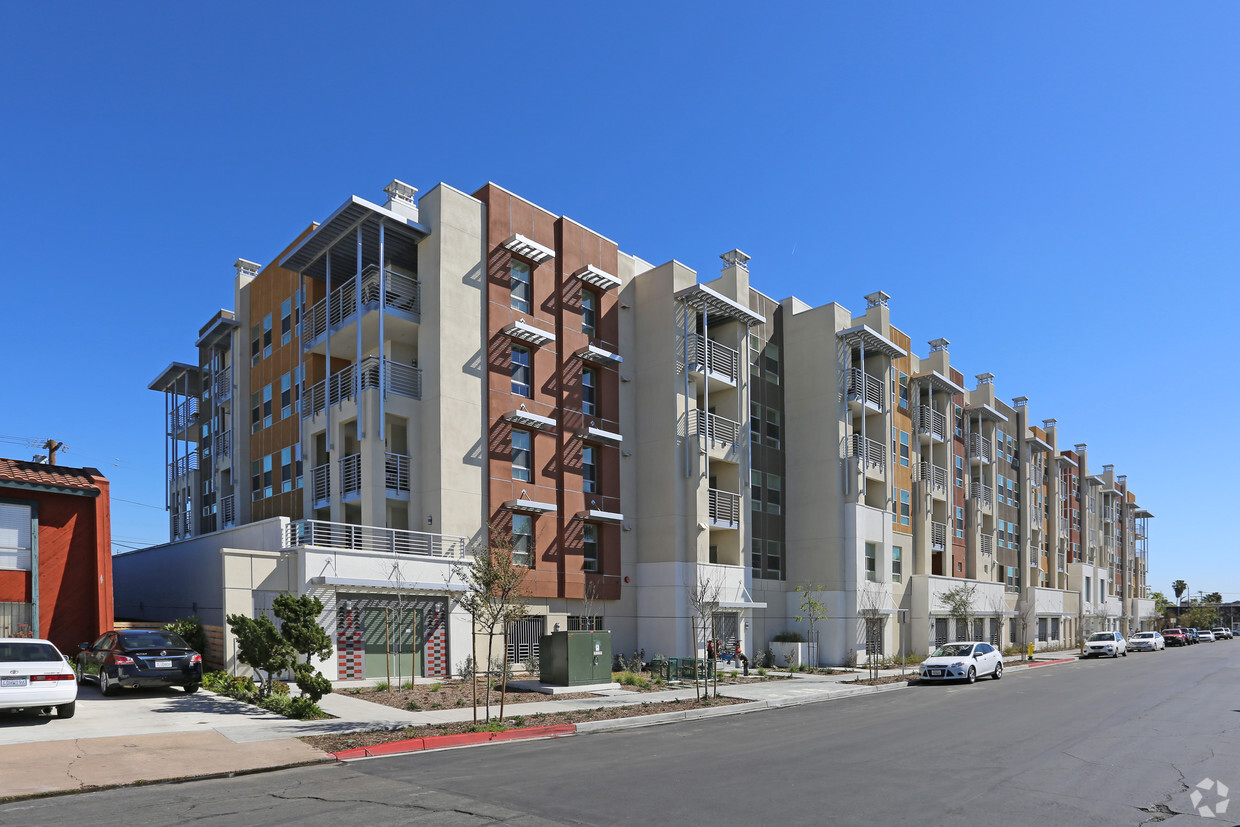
x=34, y=675
x=1105, y=643
x=1206, y=636
x=1146, y=642
x=1222, y=633
x=962, y=661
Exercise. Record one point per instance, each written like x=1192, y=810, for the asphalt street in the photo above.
x=1121, y=742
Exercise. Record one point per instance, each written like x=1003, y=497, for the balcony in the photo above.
x=340, y=386
x=713, y=359
x=400, y=379
x=1063, y=561
x=1108, y=514
x=396, y=474
x=228, y=511
x=1063, y=526
x=183, y=416
x=984, y=494
x=938, y=536
x=716, y=429
x=1108, y=543
x=221, y=386
x=873, y=454
x=934, y=478
x=864, y=390
x=979, y=449
x=987, y=544
x=321, y=534
x=351, y=476
x=725, y=509
x=321, y=485
x=397, y=292
x=183, y=465
x=931, y=424
x=223, y=443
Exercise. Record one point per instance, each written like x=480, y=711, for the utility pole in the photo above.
x=52, y=446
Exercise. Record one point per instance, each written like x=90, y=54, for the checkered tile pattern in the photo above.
x=436, y=648
x=349, y=644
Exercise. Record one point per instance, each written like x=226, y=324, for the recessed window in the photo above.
x=267, y=406
x=871, y=562
x=904, y=449
x=774, y=494
x=521, y=455
x=589, y=313
x=521, y=371
x=589, y=469
x=755, y=557
x=904, y=506
x=589, y=545
x=267, y=335
x=286, y=395
x=770, y=358
x=774, y=559
x=519, y=274
x=772, y=427
x=522, y=538
x=897, y=564
x=755, y=489
x=589, y=391
x=256, y=344
x=286, y=322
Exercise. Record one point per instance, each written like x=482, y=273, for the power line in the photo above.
x=135, y=502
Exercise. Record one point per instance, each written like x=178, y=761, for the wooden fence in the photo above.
x=212, y=659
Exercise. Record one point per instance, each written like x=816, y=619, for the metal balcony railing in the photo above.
x=979, y=448
x=716, y=428
x=1063, y=561
x=351, y=474
x=725, y=508
x=984, y=493
x=228, y=510
x=1063, y=525
x=932, y=475
x=1108, y=514
x=938, y=536
x=404, y=380
x=321, y=483
x=988, y=544
x=221, y=386
x=396, y=472
x=183, y=465
x=223, y=443
x=931, y=422
x=708, y=356
x=872, y=452
x=183, y=415
x=322, y=534
x=862, y=386
x=1108, y=543
x=398, y=292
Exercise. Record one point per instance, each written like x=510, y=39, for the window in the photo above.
x=774, y=494
x=267, y=335
x=959, y=421
x=589, y=313
x=286, y=395
x=267, y=406
x=297, y=465
x=755, y=489
x=256, y=479
x=904, y=391
x=755, y=557
x=771, y=362
x=589, y=545
x=16, y=539
x=267, y=476
x=904, y=506
x=871, y=562
x=897, y=564
x=521, y=371
x=522, y=538
x=774, y=559
x=772, y=427
x=1013, y=577
x=256, y=411
x=286, y=469
x=589, y=391
x=1002, y=534
x=904, y=453
x=959, y=472
x=755, y=423
x=256, y=345
x=286, y=322
x=755, y=355
x=521, y=455
x=960, y=522
x=589, y=471
x=519, y=274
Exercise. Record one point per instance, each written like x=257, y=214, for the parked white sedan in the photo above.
x=962, y=661
x=1146, y=642
x=34, y=675
x=1111, y=644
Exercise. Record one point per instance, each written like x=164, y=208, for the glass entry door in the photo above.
x=389, y=639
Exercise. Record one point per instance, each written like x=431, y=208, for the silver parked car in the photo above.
x=1105, y=643
x=965, y=661
x=1146, y=642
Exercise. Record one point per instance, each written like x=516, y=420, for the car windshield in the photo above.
x=27, y=652
x=1102, y=636
x=952, y=650
x=1144, y=634
x=152, y=640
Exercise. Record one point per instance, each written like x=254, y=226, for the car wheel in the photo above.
x=1125, y=653
x=81, y=675
x=106, y=687
x=998, y=671
x=190, y=688
x=972, y=678
x=66, y=710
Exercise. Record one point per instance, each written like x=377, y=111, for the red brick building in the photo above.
x=55, y=553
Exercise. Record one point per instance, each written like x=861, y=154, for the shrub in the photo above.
x=630, y=679
x=190, y=628
x=413, y=706
x=383, y=686
x=491, y=726
x=789, y=637
x=466, y=669
x=435, y=687
x=407, y=685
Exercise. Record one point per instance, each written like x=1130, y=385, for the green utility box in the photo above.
x=575, y=658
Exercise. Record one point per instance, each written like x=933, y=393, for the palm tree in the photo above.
x=1179, y=587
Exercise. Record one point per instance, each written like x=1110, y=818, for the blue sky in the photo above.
x=1053, y=188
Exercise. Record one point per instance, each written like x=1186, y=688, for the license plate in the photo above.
x=12, y=681
x=936, y=673
x=163, y=664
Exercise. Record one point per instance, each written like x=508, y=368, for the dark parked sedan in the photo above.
x=139, y=657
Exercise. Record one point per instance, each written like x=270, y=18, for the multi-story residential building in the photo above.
x=433, y=374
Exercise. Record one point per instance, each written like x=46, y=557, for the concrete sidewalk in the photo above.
x=267, y=742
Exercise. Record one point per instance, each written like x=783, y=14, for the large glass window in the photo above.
x=904, y=391
x=589, y=544
x=905, y=506
x=256, y=344
x=772, y=427
x=589, y=469
x=521, y=455
x=267, y=406
x=286, y=469
x=774, y=559
x=522, y=538
x=286, y=322
x=755, y=423
x=589, y=391
x=589, y=313
x=960, y=522
x=897, y=564
x=286, y=395
x=519, y=273
x=267, y=335
x=521, y=371
x=774, y=494
x=268, y=472
x=16, y=537
x=904, y=449
x=755, y=489
x=755, y=557
x=871, y=562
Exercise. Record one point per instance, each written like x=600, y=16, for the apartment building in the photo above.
x=428, y=373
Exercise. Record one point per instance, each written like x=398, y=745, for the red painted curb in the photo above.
x=444, y=741
x=1051, y=662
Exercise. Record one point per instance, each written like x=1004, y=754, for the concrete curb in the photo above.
x=469, y=739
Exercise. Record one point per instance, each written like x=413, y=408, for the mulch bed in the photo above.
x=336, y=743
x=884, y=679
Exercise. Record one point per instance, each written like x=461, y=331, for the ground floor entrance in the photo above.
x=390, y=638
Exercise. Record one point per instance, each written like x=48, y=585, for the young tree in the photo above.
x=494, y=595
x=871, y=602
x=997, y=609
x=703, y=598
x=812, y=610
x=300, y=629
x=958, y=602
x=261, y=647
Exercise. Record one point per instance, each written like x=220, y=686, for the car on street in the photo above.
x=1105, y=643
x=965, y=660
x=1146, y=642
x=34, y=675
x=140, y=657
x=1205, y=635
x=1174, y=637
x=1222, y=633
